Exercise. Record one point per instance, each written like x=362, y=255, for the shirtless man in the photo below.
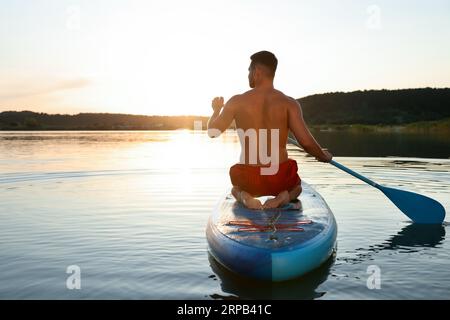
x=264, y=107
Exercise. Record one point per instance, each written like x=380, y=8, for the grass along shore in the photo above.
x=437, y=127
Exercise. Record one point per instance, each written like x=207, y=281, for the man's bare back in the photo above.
x=267, y=108
x=264, y=109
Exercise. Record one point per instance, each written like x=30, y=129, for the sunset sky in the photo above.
x=173, y=57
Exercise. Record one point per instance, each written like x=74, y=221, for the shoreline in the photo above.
x=431, y=127
x=426, y=127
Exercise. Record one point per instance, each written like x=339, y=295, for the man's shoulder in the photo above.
x=235, y=100
x=281, y=95
x=241, y=98
x=246, y=94
x=286, y=100
x=277, y=94
x=292, y=101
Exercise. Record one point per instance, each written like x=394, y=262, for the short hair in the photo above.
x=266, y=59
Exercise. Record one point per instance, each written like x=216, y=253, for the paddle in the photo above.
x=419, y=208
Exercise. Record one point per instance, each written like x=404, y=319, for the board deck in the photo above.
x=280, y=251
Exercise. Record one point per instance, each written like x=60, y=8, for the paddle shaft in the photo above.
x=355, y=174
x=419, y=208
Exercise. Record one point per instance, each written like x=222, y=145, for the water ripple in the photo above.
x=132, y=214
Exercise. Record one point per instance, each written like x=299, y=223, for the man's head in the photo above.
x=263, y=67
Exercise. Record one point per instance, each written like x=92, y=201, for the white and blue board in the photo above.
x=279, y=252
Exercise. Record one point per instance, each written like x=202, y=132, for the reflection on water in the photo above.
x=372, y=144
x=411, y=238
x=416, y=235
x=237, y=287
x=130, y=208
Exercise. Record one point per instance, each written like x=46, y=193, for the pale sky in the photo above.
x=173, y=57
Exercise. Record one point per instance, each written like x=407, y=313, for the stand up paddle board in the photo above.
x=273, y=244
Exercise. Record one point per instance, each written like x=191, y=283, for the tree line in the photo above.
x=369, y=107
x=383, y=107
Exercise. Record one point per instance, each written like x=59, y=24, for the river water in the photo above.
x=129, y=209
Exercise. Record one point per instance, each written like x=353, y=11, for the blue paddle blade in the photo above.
x=419, y=208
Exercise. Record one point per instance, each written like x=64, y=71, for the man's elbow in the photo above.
x=213, y=132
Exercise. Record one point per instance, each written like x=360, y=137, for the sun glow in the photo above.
x=173, y=57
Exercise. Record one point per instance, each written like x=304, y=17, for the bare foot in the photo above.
x=281, y=199
x=251, y=202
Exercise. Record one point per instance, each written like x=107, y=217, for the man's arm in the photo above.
x=301, y=132
x=220, y=121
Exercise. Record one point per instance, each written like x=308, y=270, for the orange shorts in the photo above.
x=249, y=178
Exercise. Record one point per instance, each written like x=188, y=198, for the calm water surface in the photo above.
x=130, y=209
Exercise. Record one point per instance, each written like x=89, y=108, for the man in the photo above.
x=262, y=109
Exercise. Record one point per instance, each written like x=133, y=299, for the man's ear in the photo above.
x=257, y=72
x=262, y=71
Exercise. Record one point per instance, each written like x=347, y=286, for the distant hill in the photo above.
x=27, y=120
x=377, y=106
x=372, y=107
